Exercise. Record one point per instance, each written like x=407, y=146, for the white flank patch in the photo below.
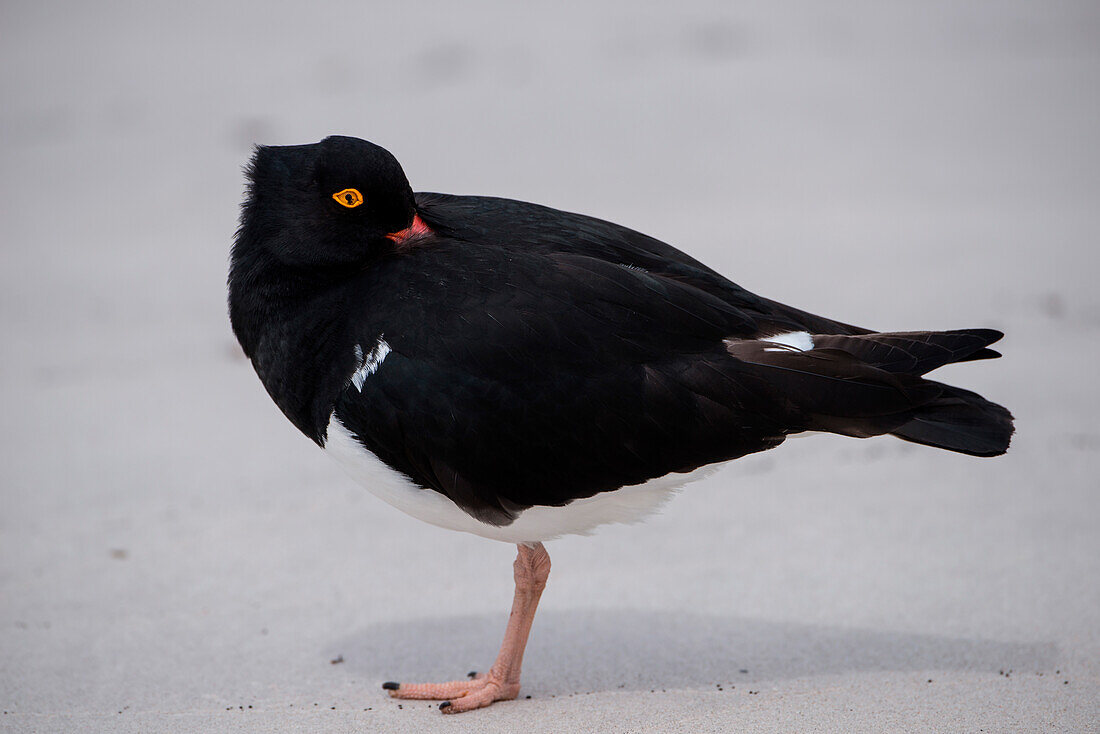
x=800, y=340
x=580, y=517
x=800, y=434
x=370, y=363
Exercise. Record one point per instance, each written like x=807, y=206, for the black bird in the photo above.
x=521, y=373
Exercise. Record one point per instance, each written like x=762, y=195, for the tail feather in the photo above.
x=981, y=354
x=872, y=384
x=960, y=421
x=914, y=352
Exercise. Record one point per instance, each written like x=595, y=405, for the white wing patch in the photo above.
x=368, y=363
x=797, y=340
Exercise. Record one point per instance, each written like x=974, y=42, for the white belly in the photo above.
x=580, y=517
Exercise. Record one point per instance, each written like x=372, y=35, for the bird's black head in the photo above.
x=313, y=218
x=329, y=204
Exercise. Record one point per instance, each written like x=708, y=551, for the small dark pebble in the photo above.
x=929, y=680
x=331, y=707
x=400, y=706
x=1065, y=682
x=228, y=708
x=527, y=697
x=337, y=660
x=241, y=708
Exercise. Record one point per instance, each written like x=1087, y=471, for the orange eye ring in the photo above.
x=350, y=198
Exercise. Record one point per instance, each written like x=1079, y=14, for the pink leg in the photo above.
x=532, y=567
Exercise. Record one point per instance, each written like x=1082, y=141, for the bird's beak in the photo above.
x=414, y=230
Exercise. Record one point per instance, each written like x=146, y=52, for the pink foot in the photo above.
x=531, y=568
x=476, y=692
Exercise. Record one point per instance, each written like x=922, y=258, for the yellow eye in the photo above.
x=350, y=198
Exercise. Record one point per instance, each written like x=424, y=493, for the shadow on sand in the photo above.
x=605, y=650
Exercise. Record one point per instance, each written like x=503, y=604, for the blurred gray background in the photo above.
x=174, y=556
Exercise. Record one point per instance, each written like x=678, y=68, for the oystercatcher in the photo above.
x=521, y=373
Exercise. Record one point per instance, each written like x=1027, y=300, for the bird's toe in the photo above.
x=435, y=691
x=489, y=693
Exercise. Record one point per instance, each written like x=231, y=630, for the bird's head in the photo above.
x=328, y=204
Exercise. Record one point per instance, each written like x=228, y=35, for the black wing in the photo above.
x=503, y=222
x=536, y=379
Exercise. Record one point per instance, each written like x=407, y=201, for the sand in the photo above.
x=175, y=557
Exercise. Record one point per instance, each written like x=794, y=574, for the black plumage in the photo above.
x=536, y=356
